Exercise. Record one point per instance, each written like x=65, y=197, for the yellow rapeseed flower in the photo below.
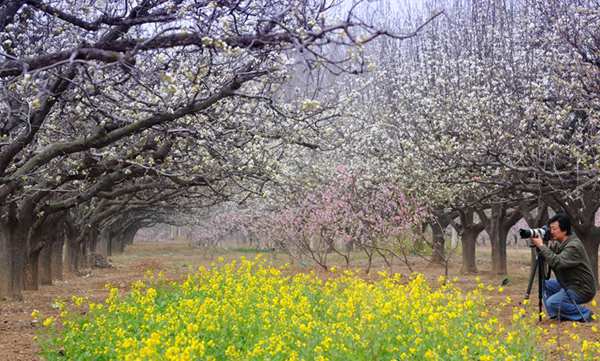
x=48, y=322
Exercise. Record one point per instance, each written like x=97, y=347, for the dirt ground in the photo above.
x=178, y=259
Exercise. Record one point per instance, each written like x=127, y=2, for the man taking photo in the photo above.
x=575, y=283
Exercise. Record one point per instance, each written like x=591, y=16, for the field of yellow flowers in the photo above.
x=249, y=310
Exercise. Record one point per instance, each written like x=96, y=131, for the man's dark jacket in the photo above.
x=572, y=266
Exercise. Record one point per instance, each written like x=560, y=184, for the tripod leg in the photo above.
x=540, y=264
x=534, y=268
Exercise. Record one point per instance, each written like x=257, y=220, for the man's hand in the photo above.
x=537, y=241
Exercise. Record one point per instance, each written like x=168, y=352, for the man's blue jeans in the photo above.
x=556, y=300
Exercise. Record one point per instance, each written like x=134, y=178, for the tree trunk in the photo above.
x=109, y=245
x=468, y=241
x=18, y=258
x=37, y=242
x=102, y=245
x=72, y=256
x=31, y=279
x=82, y=255
x=51, y=233
x=130, y=235
x=441, y=220
x=591, y=247
x=45, y=265
x=118, y=245
x=349, y=246
x=5, y=264
x=469, y=230
x=438, y=255
x=89, y=247
x=590, y=239
x=502, y=257
x=493, y=230
x=122, y=244
x=56, y=258
x=18, y=255
x=498, y=227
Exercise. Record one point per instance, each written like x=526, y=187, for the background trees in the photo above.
x=125, y=110
x=117, y=115
x=496, y=104
x=490, y=113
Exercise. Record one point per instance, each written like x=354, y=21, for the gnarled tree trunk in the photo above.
x=440, y=221
x=498, y=226
x=468, y=230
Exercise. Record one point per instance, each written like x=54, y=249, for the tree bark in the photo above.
x=86, y=249
x=118, y=244
x=438, y=252
x=72, y=256
x=56, y=258
x=468, y=230
x=31, y=279
x=468, y=241
x=493, y=229
x=441, y=220
x=498, y=227
x=45, y=265
x=103, y=243
x=502, y=260
x=18, y=255
x=589, y=236
x=82, y=255
x=109, y=246
x=39, y=239
x=5, y=264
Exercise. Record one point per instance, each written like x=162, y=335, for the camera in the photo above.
x=542, y=232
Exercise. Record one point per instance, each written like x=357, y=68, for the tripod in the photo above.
x=543, y=272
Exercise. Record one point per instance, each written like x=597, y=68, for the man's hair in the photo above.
x=564, y=223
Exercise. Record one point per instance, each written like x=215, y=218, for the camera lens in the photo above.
x=525, y=233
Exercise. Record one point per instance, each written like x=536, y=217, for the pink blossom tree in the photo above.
x=349, y=212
